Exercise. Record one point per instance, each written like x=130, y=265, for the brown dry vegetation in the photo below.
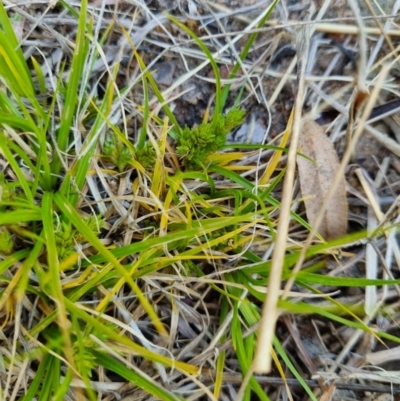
x=208, y=291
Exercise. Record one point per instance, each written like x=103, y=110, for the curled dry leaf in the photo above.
x=316, y=177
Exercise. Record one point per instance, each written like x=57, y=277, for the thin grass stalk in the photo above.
x=69, y=111
x=146, y=112
x=217, y=75
x=245, y=51
x=153, y=84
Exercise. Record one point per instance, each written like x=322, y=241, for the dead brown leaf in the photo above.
x=316, y=178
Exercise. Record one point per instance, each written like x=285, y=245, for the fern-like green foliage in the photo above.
x=85, y=361
x=6, y=241
x=117, y=153
x=9, y=192
x=196, y=144
x=67, y=236
x=147, y=156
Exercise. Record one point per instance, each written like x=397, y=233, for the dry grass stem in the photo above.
x=270, y=312
x=346, y=157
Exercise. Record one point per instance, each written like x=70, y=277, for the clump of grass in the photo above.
x=117, y=153
x=147, y=155
x=120, y=156
x=6, y=241
x=196, y=144
x=67, y=237
x=88, y=296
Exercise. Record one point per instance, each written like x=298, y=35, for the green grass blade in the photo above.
x=143, y=131
x=244, y=349
x=7, y=27
x=322, y=279
x=52, y=281
x=46, y=391
x=69, y=111
x=17, y=170
x=135, y=378
x=202, y=228
x=246, y=50
x=40, y=76
x=113, y=335
x=220, y=366
x=292, y=368
x=83, y=357
x=203, y=47
x=91, y=237
x=152, y=82
x=251, y=187
x=80, y=168
x=38, y=379
x=13, y=67
x=63, y=387
x=20, y=216
x=18, y=122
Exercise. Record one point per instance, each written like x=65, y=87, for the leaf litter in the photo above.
x=194, y=318
x=316, y=174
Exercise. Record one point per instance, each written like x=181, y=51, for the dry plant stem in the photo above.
x=282, y=82
x=360, y=91
x=270, y=313
x=346, y=157
x=379, y=216
x=215, y=55
x=380, y=357
x=343, y=29
x=379, y=25
x=371, y=257
x=353, y=340
x=276, y=381
x=385, y=140
x=325, y=27
x=362, y=39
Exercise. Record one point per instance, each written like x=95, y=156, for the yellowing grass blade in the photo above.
x=278, y=154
